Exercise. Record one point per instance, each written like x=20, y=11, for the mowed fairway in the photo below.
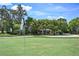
x=39, y=46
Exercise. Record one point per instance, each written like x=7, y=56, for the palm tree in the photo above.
x=20, y=16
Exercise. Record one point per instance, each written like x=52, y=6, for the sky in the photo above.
x=48, y=10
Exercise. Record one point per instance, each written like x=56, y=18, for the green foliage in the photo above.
x=62, y=25
x=74, y=25
x=16, y=27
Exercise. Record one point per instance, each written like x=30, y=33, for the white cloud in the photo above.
x=27, y=8
x=14, y=7
x=50, y=17
x=38, y=13
x=57, y=8
x=54, y=17
x=61, y=8
x=60, y=17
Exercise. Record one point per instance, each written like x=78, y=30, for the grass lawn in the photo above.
x=37, y=46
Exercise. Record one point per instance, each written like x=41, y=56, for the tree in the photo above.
x=21, y=13
x=62, y=25
x=18, y=15
x=74, y=26
x=53, y=25
x=29, y=23
x=5, y=19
